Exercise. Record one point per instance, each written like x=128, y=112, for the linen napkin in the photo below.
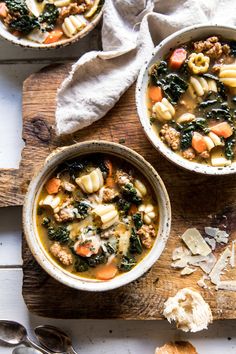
x=131, y=29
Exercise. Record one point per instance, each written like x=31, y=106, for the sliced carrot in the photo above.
x=198, y=142
x=133, y=209
x=110, y=182
x=109, y=166
x=155, y=93
x=106, y=271
x=84, y=250
x=3, y=10
x=52, y=186
x=222, y=129
x=177, y=58
x=53, y=36
x=16, y=33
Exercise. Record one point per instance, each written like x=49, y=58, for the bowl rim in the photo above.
x=63, y=43
x=40, y=254
x=152, y=137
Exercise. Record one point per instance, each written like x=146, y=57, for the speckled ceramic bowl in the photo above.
x=182, y=36
x=4, y=33
x=29, y=215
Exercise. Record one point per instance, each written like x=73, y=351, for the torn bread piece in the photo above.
x=220, y=266
x=189, y=310
x=176, y=348
x=195, y=242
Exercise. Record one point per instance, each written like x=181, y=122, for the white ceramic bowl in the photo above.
x=29, y=213
x=24, y=42
x=174, y=40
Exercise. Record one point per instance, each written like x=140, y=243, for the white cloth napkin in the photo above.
x=131, y=29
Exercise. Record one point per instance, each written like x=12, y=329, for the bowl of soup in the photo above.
x=48, y=24
x=96, y=216
x=186, y=99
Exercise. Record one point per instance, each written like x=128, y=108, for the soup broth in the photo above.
x=97, y=217
x=191, y=100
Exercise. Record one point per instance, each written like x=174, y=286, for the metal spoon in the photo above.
x=13, y=333
x=25, y=350
x=54, y=339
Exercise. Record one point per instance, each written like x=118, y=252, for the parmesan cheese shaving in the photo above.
x=195, y=242
x=201, y=281
x=232, y=258
x=220, y=266
x=227, y=285
x=211, y=242
x=187, y=270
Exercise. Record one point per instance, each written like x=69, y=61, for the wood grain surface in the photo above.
x=196, y=200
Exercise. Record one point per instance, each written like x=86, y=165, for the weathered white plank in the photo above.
x=109, y=336
x=12, y=52
x=10, y=237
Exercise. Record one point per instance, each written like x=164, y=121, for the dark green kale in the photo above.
x=137, y=219
x=208, y=103
x=123, y=205
x=186, y=131
x=130, y=194
x=110, y=248
x=186, y=140
x=96, y=259
x=220, y=113
x=230, y=147
x=46, y=222
x=17, y=6
x=82, y=208
x=158, y=71
x=74, y=167
x=173, y=86
x=49, y=16
x=60, y=234
x=80, y=264
x=232, y=45
x=127, y=263
x=24, y=24
x=135, y=245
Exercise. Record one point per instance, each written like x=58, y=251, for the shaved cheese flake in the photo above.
x=227, y=285
x=187, y=271
x=232, y=258
x=220, y=236
x=220, y=266
x=205, y=263
x=211, y=242
x=211, y=231
x=201, y=281
x=195, y=242
x=179, y=252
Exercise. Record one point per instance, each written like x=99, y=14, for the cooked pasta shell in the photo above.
x=185, y=118
x=228, y=75
x=92, y=182
x=140, y=187
x=209, y=143
x=163, y=110
x=216, y=140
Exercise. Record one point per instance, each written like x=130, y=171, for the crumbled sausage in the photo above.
x=61, y=253
x=212, y=47
x=205, y=155
x=108, y=195
x=146, y=233
x=72, y=9
x=189, y=154
x=123, y=178
x=170, y=136
x=65, y=214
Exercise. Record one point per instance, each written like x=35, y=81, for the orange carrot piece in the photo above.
x=177, y=58
x=133, y=209
x=109, y=166
x=198, y=142
x=53, y=36
x=155, y=93
x=110, y=182
x=222, y=129
x=3, y=10
x=106, y=271
x=84, y=250
x=52, y=186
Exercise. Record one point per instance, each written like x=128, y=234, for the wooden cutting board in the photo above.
x=196, y=200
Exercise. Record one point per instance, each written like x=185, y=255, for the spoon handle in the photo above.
x=72, y=351
x=36, y=346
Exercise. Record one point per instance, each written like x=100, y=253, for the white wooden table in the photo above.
x=89, y=336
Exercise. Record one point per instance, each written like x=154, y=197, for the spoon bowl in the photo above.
x=12, y=333
x=25, y=350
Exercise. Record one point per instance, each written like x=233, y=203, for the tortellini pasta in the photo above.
x=92, y=182
x=108, y=214
x=140, y=188
x=147, y=212
x=199, y=86
x=212, y=140
x=186, y=118
x=72, y=25
x=163, y=110
x=50, y=201
x=198, y=63
x=228, y=75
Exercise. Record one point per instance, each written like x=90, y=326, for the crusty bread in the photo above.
x=177, y=348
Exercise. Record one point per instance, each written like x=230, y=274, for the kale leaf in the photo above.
x=137, y=219
x=82, y=209
x=49, y=15
x=61, y=234
x=232, y=45
x=186, y=140
x=173, y=86
x=46, y=222
x=96, y=259
x=24, y=24
x=127, y=263
x=135, y=245
x=130, y=194
x=186, y=131
x=158, y=71
x=17, y=6
x=80, y=264
x=229, y=147
x=123, y=205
